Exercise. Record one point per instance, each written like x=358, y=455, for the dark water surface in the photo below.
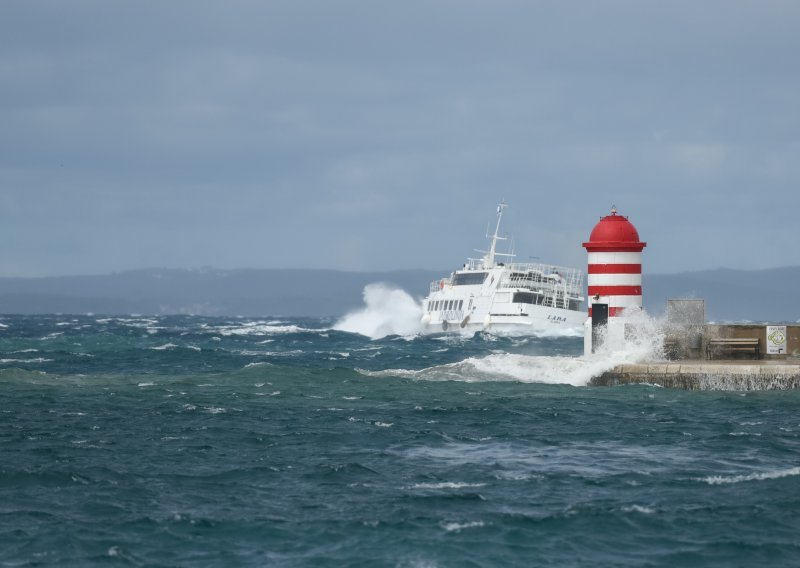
x=213, y=442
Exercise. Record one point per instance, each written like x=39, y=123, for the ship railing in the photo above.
x=536, y=276
x=437, y=285
x=560, y=286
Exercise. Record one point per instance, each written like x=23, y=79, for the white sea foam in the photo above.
x=36, y=360
x=51, y=336
x=575, y=371
x=777, y=474
x=458, y=527
x=387, y=311
x=645, y=345
x=638, y=509
x=165, y=347
x=261, y=328
x=258, y=364
x=447, y=485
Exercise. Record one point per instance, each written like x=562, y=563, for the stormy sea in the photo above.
x=193, y=441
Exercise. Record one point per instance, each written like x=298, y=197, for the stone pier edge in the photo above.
x=700, y=376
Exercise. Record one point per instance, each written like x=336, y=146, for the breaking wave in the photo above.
x=644, y=345
x=386, y=311
x=723, y=480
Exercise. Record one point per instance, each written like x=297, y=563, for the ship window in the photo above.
x=450, y=305
x=469, y=278
x=460, y=304
x=523, y=298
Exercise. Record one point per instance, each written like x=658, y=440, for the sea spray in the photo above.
x=387, y=311
x=645, y=343
x=644, y=340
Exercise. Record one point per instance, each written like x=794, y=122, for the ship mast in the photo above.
x=488, y=260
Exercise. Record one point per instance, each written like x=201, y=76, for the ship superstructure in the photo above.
x=493, y=292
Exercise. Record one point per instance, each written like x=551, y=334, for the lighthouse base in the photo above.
x=632, y=329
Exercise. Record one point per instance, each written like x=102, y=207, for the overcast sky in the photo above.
x=368, y=135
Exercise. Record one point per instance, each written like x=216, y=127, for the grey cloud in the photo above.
x=320, y=134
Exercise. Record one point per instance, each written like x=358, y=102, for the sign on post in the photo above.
x=776, y=339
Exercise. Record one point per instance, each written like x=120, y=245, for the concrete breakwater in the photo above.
x=707, y=375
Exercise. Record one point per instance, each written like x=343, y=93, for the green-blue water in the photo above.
x=211, y=442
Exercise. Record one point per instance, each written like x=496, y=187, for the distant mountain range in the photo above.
x=771, y=295
x=730, y=295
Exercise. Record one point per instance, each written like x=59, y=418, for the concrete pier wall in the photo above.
x=717, y=375
x=689, y=343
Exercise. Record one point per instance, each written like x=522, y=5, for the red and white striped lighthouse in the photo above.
x=615, y=264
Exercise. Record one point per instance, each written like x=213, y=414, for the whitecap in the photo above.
x=142, y=385
x=744, y=434
x=262, y=328
x=638, y=509
x=777, y=474
x=51, y=335
x=383, y=424
x=164, y=347
x=447, y=485
x=458, y=527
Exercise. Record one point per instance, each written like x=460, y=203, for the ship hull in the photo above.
x=523, y=321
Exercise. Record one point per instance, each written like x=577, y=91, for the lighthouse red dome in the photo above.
x=614, y=233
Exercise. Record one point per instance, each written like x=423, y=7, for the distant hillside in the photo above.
x=730, y=295
x=204, y=292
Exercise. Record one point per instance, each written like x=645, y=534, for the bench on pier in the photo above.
x=671, y=349
x=715, y=347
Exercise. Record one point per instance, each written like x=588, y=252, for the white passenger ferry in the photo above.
x=505, y=296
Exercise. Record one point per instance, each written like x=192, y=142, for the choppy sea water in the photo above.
x=186, y=441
